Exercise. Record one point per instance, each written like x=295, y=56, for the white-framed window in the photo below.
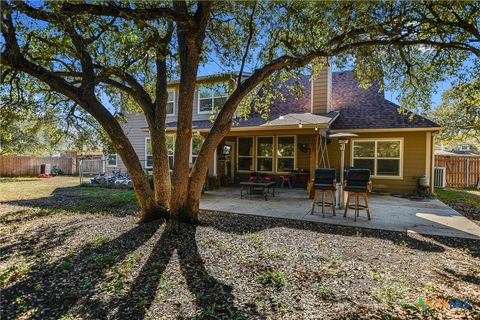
x=112, y=160
x=264, y=154
x=384, y=157
x=211, y=97
x=286, y=146
x=245, y=153
x=197, y=142
x=148, y=153
x=170, y=149
x=464, y=147
x=171, y=103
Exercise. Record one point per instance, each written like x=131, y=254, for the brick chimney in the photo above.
x=321, y=94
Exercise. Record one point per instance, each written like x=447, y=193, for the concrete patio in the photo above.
x=430, y=217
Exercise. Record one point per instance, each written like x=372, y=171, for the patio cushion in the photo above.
x=324, y=178
x=323, y=186
x=356, y=188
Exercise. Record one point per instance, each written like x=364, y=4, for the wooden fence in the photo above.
x=461, y=172
x=16, y=166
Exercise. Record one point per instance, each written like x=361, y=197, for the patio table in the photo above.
x=261, y=188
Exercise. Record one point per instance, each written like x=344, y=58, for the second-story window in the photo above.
x=171, y=103
x=211, y=97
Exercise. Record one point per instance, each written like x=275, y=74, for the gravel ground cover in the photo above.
x=71, y=252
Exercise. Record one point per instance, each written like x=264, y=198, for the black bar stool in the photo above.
x=357, y=183
x=323, y=182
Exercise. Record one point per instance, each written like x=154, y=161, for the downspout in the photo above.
x=432, y=169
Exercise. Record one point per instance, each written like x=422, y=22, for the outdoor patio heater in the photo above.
x=342, y=140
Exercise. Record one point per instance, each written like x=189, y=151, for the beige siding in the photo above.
x=322, y=92
x=303, y=158
x=414, y=160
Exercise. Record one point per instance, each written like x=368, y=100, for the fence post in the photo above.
x=467, y=173
x=80, y=171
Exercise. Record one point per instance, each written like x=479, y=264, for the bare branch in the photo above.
x=249, y=40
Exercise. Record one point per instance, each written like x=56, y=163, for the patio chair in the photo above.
x=254, y=176
x=267, y=178
x=324, y=182
x=282, y=180
x=357, y=183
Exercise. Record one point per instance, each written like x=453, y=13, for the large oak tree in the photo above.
x=87, y=52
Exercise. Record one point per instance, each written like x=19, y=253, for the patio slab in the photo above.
x=430, y=217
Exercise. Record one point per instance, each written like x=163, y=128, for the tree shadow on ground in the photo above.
x=53, y=292
x=449, y=273
x=50, y=290
x=470, y=245
x=212, y=297
x=43, y=239
x=239, y=224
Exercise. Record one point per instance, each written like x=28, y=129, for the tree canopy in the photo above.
x=459, y=114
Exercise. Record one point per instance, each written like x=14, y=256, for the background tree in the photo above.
x=459, y=114
x=36, y=124
x=126, y=53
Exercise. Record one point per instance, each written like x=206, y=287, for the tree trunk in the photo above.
x=191, y=36
x=149, y=209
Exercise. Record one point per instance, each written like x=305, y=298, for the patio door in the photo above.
x=230, y=164
x=228, y=161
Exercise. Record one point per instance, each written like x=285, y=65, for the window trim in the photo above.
x=401, y=140
x=251, y=157
x=294, y=153
x=146, y=155
x=116, y=160
x=174, y=101
x=190, y=160
x=274, y=149
x=212, y=98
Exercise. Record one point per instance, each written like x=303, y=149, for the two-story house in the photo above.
x=396, y=147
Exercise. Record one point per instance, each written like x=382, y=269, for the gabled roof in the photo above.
x=352, y=108
x=367, y=108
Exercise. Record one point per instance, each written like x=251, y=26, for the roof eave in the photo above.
x=432, y=129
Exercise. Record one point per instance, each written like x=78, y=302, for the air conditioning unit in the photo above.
x=439, y=177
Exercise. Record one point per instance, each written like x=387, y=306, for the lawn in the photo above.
x=71, y=252
x=465, y=201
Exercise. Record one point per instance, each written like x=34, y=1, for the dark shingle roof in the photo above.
x=367, y=108
x=357, y=108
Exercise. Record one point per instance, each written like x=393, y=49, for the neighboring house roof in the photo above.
x=352, y=108
x=440, y=152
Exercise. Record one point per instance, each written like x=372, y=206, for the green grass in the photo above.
x=33, y=188
x=467, y=197
x=390, y=289
x=273, y=278
x=465, y=201
x=13, y=272
x=103, y=261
